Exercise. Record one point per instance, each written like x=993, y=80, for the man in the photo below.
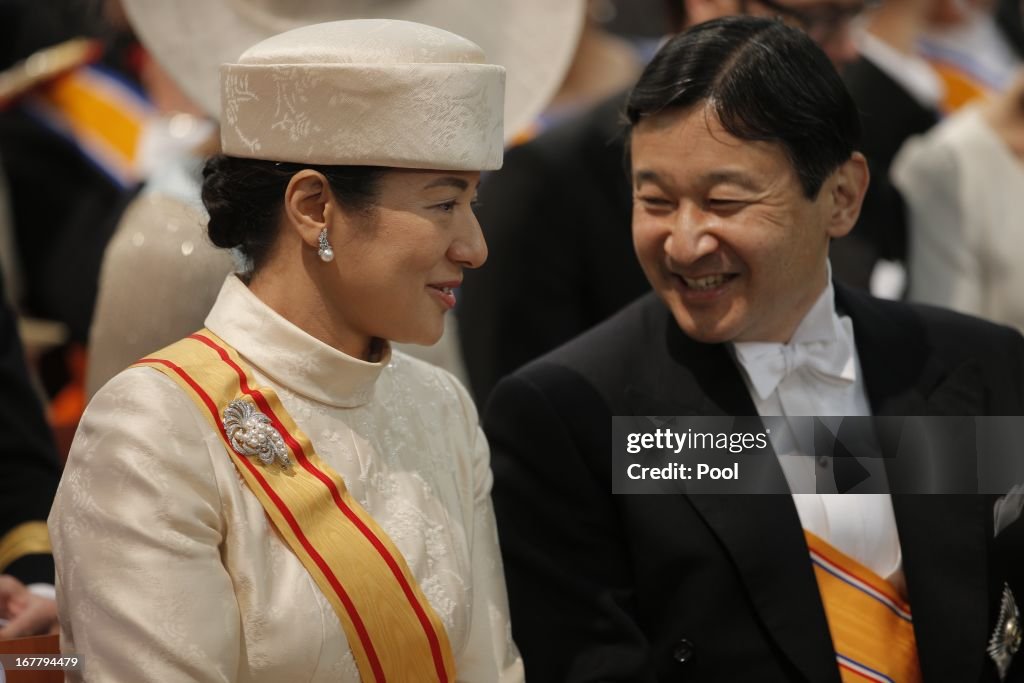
x=28, y=462
x=744, y=167
x=557, y=215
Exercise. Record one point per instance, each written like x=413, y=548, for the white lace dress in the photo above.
x=168, y=568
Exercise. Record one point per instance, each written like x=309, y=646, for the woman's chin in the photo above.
x=421, y=337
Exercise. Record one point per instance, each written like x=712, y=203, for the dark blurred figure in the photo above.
x=899, y=95
x=1010, y=19
x=70, y=120
x=557, y=216
x=902, y=94
x=29, y=464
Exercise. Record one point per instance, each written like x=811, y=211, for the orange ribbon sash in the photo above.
x=872, y=627
x=104, y=117
x=393, y=631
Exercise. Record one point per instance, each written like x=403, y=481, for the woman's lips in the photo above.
x=444, y=293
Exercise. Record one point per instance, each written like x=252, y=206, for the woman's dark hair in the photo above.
x=764, y=81
x=244, y=198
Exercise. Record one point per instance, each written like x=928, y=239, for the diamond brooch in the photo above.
x=252, y=435
x=1006, y=638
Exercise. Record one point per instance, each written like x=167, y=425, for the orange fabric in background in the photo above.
x=67, y=406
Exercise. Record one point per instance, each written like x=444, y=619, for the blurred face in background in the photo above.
x=829, y=23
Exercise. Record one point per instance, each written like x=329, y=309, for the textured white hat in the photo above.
x=534, y=40
x=373, y=92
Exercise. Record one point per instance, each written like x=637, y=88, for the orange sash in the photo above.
x=394, y=633
x=871, y=625
x=104, y=117
x=960, y=87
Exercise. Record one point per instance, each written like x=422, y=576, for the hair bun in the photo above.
x=227, y=214
x=244, y=198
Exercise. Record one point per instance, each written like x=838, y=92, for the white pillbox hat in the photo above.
x=374, y=92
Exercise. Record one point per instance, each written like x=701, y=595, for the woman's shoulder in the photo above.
x=136, y=385
x=142, y=411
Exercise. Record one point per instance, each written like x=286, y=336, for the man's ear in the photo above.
x=846, y=188
x=308, y=205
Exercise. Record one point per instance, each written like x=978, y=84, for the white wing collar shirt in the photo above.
x=818, y=374
x=169, y=570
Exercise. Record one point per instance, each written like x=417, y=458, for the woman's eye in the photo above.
x=447, y=207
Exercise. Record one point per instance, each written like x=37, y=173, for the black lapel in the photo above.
x=901, y=371
x=684, y=377
x=944, y=539
x=893, y=355
x=945, y=561
x=761, y=533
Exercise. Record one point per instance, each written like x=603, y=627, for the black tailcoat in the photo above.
x=720, y=588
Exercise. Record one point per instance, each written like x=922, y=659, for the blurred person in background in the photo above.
x=28, y=461
x=975, y=48
x=920, y=61
x=964, y=182
x=72, y=114
x=899, y=94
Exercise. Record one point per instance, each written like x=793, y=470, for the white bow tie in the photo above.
x=767, y=364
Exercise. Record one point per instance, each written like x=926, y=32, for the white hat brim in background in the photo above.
x=534, y=40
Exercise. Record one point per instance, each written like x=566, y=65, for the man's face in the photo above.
x=724, y=231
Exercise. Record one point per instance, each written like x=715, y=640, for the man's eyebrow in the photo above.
x=646, y=176
x=460, y=184
x=711, y=178
x=735, y=177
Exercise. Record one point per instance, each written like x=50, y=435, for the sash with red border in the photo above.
x=393, y=631
x=871, y=625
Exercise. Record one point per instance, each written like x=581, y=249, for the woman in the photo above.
x=161, y=237
x=962, y=182
x=280, y=497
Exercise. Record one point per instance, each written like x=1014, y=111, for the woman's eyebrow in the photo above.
x=448, y=181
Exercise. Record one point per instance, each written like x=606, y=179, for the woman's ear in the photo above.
x=846, y=188
x=309, y=205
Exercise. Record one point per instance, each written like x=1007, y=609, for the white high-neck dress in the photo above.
x=168, y=567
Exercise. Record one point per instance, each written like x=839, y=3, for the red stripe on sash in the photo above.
x=432, y=639
x=357, y=621
x=885, y=597
x=857, y=672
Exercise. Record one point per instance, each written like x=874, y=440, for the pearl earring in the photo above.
x=325, y=251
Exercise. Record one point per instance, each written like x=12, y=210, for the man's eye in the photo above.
x=656, y=202
x=724, y=203
x=447, y=207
